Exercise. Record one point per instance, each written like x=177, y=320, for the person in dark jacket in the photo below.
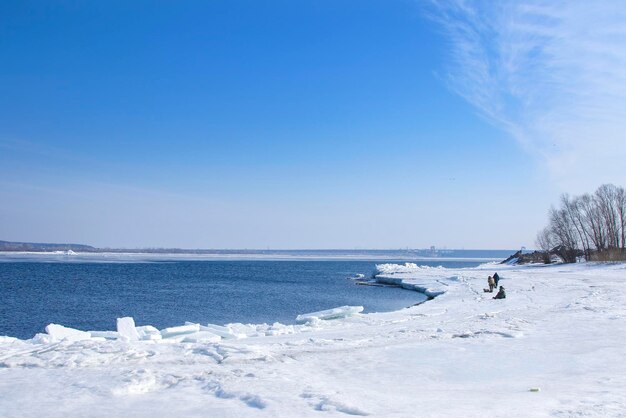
x=500, y=294
x=496, y=279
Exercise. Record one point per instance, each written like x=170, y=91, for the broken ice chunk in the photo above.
x=183, y=329
x=59, y=332
x=202, y=337
x=335, y=313
x=224, y=332
x=148, y=333
x=126, y=328
x=109, y=335
x=41, y=339
x=174, y=339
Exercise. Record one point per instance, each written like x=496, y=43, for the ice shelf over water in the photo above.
x=431, y=281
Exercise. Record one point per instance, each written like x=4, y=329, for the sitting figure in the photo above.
x=500, y=294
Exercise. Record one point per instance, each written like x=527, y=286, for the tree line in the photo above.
x=590, y=225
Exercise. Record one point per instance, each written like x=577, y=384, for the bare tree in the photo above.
x=594, y=223
x=545, y=242
x=564, y=235
x=605, y=199
x=591, y=221
x=573, y=210
x=621, y=214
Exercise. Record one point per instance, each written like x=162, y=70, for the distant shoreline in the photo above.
x=51, y=248
x=286, y=255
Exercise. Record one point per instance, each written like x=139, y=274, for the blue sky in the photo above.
x=282, y=124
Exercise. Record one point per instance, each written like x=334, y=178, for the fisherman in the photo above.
x=491, y=282
x=496, y=278
x=500, y=294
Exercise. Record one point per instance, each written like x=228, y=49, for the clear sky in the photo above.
x=305, y=124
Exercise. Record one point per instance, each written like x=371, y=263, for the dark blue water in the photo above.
x=90, y=296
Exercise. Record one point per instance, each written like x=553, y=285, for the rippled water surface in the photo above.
x=91, y=295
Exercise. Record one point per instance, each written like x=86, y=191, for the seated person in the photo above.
x=500, y=294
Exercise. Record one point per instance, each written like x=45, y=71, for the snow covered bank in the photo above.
x=560, y=330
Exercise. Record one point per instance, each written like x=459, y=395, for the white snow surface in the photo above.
x=554, y=347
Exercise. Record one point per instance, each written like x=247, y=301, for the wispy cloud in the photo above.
x=551, y=73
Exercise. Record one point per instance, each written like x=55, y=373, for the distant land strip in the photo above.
x=10, y=246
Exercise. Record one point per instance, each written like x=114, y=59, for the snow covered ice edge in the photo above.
x=192, y=332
